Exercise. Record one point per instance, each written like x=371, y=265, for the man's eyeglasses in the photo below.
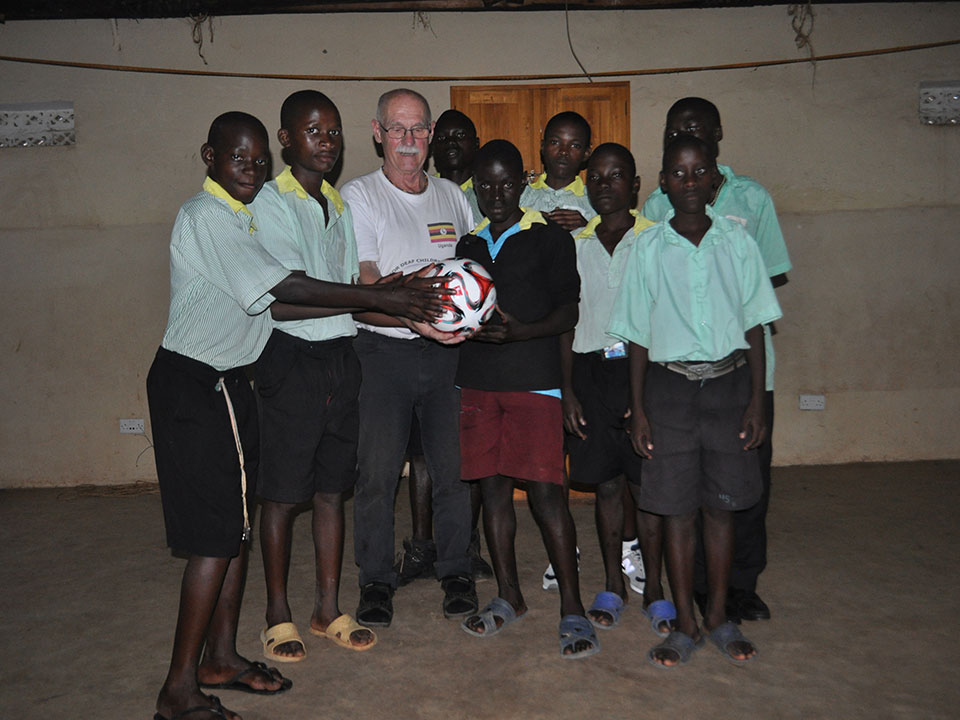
x=398, y=132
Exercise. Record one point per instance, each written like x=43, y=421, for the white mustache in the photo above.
x=407, y=150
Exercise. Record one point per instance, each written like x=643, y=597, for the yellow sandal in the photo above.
x=277, y=635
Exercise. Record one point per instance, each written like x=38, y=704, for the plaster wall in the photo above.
x=868, y=197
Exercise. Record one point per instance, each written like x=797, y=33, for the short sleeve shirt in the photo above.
x=293, y=229
x=693, y=303
x=220, y=282
x=402, y=231
x=743, y=200
x=600, y=275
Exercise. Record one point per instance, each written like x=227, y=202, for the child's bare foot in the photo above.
x=731, y=642
x=578, y=639
x=675, y=650
x=191, y=705
x=606, y=609
x=291, y=647
x=497, y=614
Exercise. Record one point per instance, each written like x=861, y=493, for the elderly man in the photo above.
x=405, y=220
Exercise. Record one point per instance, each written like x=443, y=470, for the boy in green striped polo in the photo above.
x=559, y=193
x=202, y=409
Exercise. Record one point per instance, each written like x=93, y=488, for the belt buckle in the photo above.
x=699, y=371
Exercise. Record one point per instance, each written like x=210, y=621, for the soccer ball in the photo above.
x=473, y=298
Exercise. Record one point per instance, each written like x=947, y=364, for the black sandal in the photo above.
x=216, y=709
x=376, y=604
x=459, y=596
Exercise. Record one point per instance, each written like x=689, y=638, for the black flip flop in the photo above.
x=216, y=708
x=235, y=683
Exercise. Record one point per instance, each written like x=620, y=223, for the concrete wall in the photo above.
x=868, y=199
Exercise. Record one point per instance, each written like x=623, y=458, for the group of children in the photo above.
x=643, y=341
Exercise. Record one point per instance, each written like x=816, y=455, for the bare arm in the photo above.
x=559, y=321
x=415, y=298
x=566, y=218
x=639, y=427
x=285, y=311
x=753, y=427
x=573, y=420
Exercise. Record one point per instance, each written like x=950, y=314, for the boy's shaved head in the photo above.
x=684, y=142
x=300, y=101
x=571, y=118
x=450, y=117
x=502, y=151
x=617, y=150
x=704, y=108
x=224, y=128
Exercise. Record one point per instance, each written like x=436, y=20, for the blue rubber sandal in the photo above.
x=680, y=643
x=574, y=628
x=607, y=603
x=496, y=608
x=660, y=611
x=724, y=635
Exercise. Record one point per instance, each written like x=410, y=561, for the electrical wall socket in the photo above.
x=131, y=426
x=813, y=402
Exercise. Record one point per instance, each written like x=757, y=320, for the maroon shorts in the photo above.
x=515, y=434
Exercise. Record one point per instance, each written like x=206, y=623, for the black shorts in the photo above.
x=309, y=417
x=603, y=389
x=197, y=462
x=698, y=456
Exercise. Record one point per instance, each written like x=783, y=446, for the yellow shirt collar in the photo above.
x=640, y=223
x=576, y=187
x=286, y=182
x=529, y=218
x=215, y=189
x=466, y=184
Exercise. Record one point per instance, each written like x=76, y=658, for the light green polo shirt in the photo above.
x=220, y=282
x=693, y=303
x=293, y=229
x=540, y=196
x=600, y=276
x=745, y=201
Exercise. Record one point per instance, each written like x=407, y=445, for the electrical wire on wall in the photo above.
x=566, y=15
x=479, y=78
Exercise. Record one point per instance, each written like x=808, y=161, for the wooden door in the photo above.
x=518, y=113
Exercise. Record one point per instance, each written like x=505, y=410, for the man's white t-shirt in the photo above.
x=402, y=231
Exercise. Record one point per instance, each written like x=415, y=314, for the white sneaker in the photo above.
x=632, y=564
x=550, y=577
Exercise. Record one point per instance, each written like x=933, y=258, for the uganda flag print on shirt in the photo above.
x=442, y=232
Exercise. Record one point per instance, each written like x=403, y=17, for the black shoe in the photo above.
x=376, y=605
x=751, y=607
x=416, y=561
x=478, y=566
x=459, y=596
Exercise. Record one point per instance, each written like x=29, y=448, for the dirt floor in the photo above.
x=863, y=583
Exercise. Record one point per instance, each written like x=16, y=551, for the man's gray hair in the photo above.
x=400, y=92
